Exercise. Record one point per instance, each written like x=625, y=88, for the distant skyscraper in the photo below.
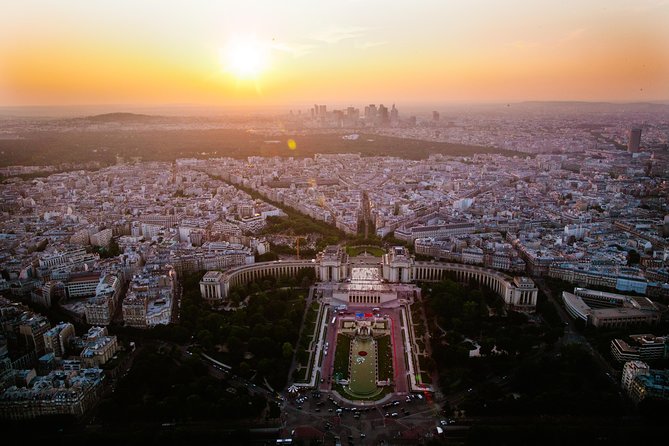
x=634, y=141
x=394, y=115
x=352, y=116
x=370, y=114
x=435, y=116
x=384, y=117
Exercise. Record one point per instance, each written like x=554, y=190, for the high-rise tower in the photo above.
x=634, y=141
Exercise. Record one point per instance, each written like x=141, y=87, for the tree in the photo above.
x=633, y=257
x=205, y=338
x=287, y=350
x=112, y=250
x=470, y=311
x=235, y=346
x=244, y=369
x=234, y=298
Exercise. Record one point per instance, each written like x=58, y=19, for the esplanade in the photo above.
x=397, y=266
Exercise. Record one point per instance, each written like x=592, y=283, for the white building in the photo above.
x=211, y=287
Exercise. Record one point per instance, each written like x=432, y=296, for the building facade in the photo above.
x=396, y=266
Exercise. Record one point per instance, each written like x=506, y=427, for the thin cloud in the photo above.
x=294, y=49
x=336, y=34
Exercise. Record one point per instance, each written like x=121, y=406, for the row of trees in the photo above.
x=163, y=387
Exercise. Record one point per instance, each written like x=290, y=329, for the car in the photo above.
x=362, y=435
x=443, y=422
x=394, y=414
x=470, y=389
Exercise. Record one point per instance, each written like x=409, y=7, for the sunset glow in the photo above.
x=219, y=53
x=244, y=57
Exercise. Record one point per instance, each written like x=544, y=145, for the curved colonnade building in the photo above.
x=397, y=266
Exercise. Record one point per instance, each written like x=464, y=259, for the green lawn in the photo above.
x=357, y=250
x=385, y=358
x=424, y=375
x=363, y=367
x=342, y=354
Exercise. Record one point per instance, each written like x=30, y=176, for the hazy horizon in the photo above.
x=260, y=55
x=194, y=110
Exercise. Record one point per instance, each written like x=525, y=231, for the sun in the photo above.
x=245, y=57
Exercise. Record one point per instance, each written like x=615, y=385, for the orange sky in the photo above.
x=169, y=52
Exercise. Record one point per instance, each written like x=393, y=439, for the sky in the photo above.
x=229, y=53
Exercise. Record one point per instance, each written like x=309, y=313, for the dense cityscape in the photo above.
x=103, y=263
x=335, y=223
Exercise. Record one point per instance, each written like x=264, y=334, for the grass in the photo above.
x=301, y=375
x=342, y=354
x=307, y=338
x=383, y=391
x=424, y=375
x=363, y=373
x=357, y=250
x=385, y=358
x=417, y=317
x=306, y=358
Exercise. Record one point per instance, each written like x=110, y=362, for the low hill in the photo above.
x=123, y=117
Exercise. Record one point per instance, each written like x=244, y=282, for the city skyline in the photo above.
x=334, y=222
x=264, y=54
